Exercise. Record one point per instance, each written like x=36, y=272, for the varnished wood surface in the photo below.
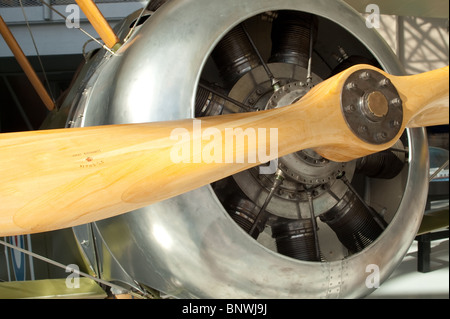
x=25, y=65
x=60, y=178
x=99, y=22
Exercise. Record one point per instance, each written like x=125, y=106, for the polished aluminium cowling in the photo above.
x=188, y=246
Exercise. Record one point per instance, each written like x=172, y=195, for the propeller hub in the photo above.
x=372, y=107
x=377, y=104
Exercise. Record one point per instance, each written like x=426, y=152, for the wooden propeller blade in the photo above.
x=425, y=97
x=54, y=179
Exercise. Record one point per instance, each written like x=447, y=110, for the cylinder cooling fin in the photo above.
x=292, y=32
x=353, y=222
x=295, y=238
x=306, y=231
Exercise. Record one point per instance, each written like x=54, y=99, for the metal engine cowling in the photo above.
x=190, y=246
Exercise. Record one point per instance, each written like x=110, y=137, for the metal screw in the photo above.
x=351, y=86
x=362, y=129
x=395, y=123
x=365, y=75
x=385, y=82
x=396, y=102
x=381, y=136
x=350, y=108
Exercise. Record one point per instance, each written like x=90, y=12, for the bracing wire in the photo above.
x=137, y=20
x=72, y=269
x=77, y=27
x=37, y=52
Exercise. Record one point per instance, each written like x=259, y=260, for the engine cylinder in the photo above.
x=386, y=164
x=234, y=56
x=291, y=35
x=352, y=222
x=244, y=212
x=295, y=238
x=207, y=103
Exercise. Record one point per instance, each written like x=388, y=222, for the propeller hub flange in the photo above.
x=371, y=106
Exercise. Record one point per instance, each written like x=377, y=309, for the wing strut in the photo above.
x=25, y=65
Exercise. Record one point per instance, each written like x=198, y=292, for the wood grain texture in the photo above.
x=425, y=97
x=54, y=179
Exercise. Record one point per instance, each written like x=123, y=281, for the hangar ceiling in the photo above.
x=416, y=8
